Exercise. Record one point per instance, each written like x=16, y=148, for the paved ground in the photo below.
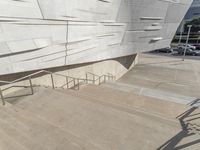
x=144, y=110
x=166, y=74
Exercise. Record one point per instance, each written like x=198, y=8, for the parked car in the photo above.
x=165, y=50
x=197, y=46
x=189, y=52
x=197, y=53
x=182, y=46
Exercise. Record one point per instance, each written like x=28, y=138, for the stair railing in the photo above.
x=30, y=76
x=75, y=81
x=98, y=78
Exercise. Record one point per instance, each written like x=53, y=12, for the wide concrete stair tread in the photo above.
x=104, y=126
x=129, y=100
x=170, y=80
x=25, y=131
x=153, y=93
x=8, y=143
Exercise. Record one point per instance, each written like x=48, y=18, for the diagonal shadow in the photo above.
x=187, y=129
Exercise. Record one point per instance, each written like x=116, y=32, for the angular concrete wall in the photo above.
x=37, y=34
x=117, y=67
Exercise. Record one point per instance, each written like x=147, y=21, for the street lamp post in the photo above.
x=181, y=34
x=189, y=26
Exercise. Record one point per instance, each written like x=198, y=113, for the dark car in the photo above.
x=165, y=50
x=189, y=52
x=182, y=46
x=197, y=46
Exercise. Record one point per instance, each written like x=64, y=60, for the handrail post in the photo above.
x=86, y=78
x=67, y=82
x=31, y=86
x=78, y=84
x=2, y=98
x=93, y=79
x=99, y=80
x=52, y=81
x=74, y=82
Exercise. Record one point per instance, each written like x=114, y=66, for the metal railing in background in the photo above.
x=68, y=81
x=99, y=78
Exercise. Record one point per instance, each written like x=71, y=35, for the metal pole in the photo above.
x=99, y=80
x=189, y=26
x=2, y=98
x=78, y=84
x=74, y=82
x=86, y=78
x=67, y=82
x=31, y=86
x=52, y=81
x=104, y=78
x=181, y=34
x=93, y=79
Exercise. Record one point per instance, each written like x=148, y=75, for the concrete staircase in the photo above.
x=93, y=118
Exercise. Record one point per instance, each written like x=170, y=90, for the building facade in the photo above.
x=193, y=13
x=39, y=34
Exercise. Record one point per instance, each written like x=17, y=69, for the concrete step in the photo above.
x=176, y=81
x=104, y=126
x=8, y=143
x=30, y=132
x=153, y=93
x=165, y=109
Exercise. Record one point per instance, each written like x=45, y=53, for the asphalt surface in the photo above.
x=174, y=55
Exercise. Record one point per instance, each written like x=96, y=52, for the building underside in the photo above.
x=38, y=34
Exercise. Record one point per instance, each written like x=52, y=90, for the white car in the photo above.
x=182, y=46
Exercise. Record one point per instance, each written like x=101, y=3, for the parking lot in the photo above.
x=178, y=53
x=175, y=55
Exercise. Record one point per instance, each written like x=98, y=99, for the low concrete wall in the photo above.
x=117, y=67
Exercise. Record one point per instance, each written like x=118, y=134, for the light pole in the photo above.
x=186, y=44
x=181, y=34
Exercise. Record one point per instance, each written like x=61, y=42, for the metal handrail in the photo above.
x=99, y=77
x=33, y=74
x=69, y=80
x=29, y=77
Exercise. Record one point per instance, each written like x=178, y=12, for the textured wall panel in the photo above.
x=38, y=34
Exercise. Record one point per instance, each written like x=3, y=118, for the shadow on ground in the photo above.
x=188, y=121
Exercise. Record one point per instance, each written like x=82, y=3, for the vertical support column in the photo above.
x=93, y=79
x=86, y=78
x=67, y=82
x=31, y=86
x=99, y=80
x=78, y=86
x=52, y=81
x=2, y=98
x=74, y=80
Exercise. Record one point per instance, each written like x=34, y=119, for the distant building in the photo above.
x=193, y=13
